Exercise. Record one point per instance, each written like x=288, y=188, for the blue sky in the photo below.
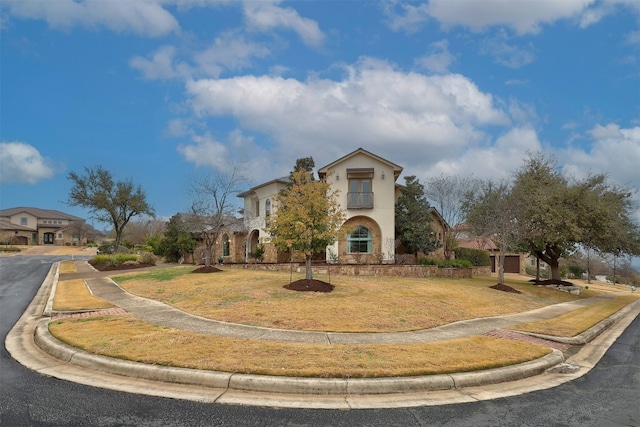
x=161, y=91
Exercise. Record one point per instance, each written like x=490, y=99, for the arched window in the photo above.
x=267, y=207
x=225, y=245
x=359, y=241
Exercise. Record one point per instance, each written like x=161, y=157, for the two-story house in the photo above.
x=367, y=193
x=33, y=226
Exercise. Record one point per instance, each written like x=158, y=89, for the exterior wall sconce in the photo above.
x=382, y=174
x=337, y=177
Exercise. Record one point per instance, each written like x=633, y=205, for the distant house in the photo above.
x=367, y=193
x=230, y=244
x=514, y=262
x=34, y=226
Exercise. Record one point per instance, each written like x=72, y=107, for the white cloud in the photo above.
x=230, y=51
x=409, y=18
x=613, y=150
x=507, y=54
x=267, y=15
x=159, y=66
x=523, y=16
x=146, y=18
x=374, y=105
x=439, y=58
x=21, y=162
x=497, y=160
x=239, y=151
x=205, y=151
x=407, y=117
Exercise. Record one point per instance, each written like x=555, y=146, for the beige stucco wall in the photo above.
x=383, y=212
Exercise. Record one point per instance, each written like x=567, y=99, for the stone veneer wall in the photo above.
x=366, y=270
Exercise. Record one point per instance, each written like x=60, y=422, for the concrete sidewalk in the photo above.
x=31, y=344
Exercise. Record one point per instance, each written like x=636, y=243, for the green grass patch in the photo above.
x=160, y=275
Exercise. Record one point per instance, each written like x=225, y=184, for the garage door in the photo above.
x=511, y=264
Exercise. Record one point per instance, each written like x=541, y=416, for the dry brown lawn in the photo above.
x=577, y=321
x=128, y=338
x=358, y=304
x=67, y=267
x=73, y=295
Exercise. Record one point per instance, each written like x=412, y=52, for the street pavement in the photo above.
x=30, y=343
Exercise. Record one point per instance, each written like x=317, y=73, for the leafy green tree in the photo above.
x=554, y=215
x=413, y=219
x=111, y=202
x=304, y=164
x=178, y=240
x=307, y=217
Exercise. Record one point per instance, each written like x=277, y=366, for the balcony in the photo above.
x=360, y=200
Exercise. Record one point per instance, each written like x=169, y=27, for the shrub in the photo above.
x=445, y=263
x=122, y=258
x=476, y=257
x=147, y=258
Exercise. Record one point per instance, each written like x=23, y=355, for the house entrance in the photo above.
x=47, y=238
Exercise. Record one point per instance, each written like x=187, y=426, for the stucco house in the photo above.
x=34, y=226
x=367, y=193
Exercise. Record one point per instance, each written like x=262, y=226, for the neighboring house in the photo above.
x=230, y=244
x=367, y=193
x=34, y=226
x=258, y=206
x=513, y=262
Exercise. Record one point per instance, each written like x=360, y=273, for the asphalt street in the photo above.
x=606, y=396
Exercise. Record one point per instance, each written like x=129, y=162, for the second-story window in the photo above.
x=257, y=210
x=360, y=194
x=23, y=220
x=267, y=207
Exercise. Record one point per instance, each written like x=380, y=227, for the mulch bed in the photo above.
x=505, y=288
x=204, y=269
x=107, y=267
x=552, y=282
x=312, y=285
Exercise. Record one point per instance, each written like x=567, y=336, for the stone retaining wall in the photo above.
x=383, y=270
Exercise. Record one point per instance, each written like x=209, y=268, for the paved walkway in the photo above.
x=164, y=315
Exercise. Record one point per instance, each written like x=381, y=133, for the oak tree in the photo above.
x=109, y=201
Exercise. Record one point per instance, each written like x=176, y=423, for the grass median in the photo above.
x=577, y=321
x=128, y=338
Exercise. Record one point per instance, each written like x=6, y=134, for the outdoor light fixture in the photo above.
x=382, y=174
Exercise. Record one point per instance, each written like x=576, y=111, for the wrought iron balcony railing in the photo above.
x=360, y=200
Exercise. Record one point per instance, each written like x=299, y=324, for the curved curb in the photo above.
x=289, y=385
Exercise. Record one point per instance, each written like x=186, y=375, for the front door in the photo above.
x=47, y=239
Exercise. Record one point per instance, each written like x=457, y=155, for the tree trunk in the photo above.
x=501, y=257
x=555, y=269
x=309, y=275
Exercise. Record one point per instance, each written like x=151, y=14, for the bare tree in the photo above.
x=213, y=205
x=447, y=194
x=490, y=212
